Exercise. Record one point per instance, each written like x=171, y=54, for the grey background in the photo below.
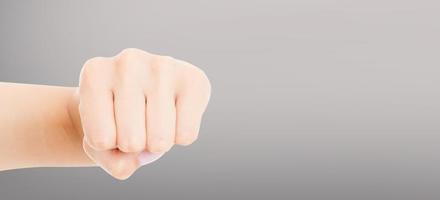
x=312, y=99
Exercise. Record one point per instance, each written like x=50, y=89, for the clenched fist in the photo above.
x=135, y=106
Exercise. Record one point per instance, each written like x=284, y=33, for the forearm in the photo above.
x=39, y=127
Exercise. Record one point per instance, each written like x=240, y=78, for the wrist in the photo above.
x=73, y=111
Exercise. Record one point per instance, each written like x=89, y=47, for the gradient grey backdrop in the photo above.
x=312, y=99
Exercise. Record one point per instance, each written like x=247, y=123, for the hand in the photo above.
x=135, y=106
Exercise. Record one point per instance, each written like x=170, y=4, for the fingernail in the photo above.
x=147, y=157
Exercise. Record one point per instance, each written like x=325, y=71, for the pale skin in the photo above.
x=128, y=111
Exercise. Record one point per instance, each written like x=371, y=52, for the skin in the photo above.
x=128, y=111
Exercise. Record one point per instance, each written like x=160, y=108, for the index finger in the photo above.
x=96, y=104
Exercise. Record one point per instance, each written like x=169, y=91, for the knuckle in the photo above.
x=130, y=55
x=185, y=140
x=162, y=73
x=131, y=51
x=206, y=84
x=100, y=143
x=163, y=65
x=95, y=61
x=159, y=145
x=131, y=66
x=201, y=76
x=130, y=146
x=197, y=77
x=92, y=70
x=93, y=65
